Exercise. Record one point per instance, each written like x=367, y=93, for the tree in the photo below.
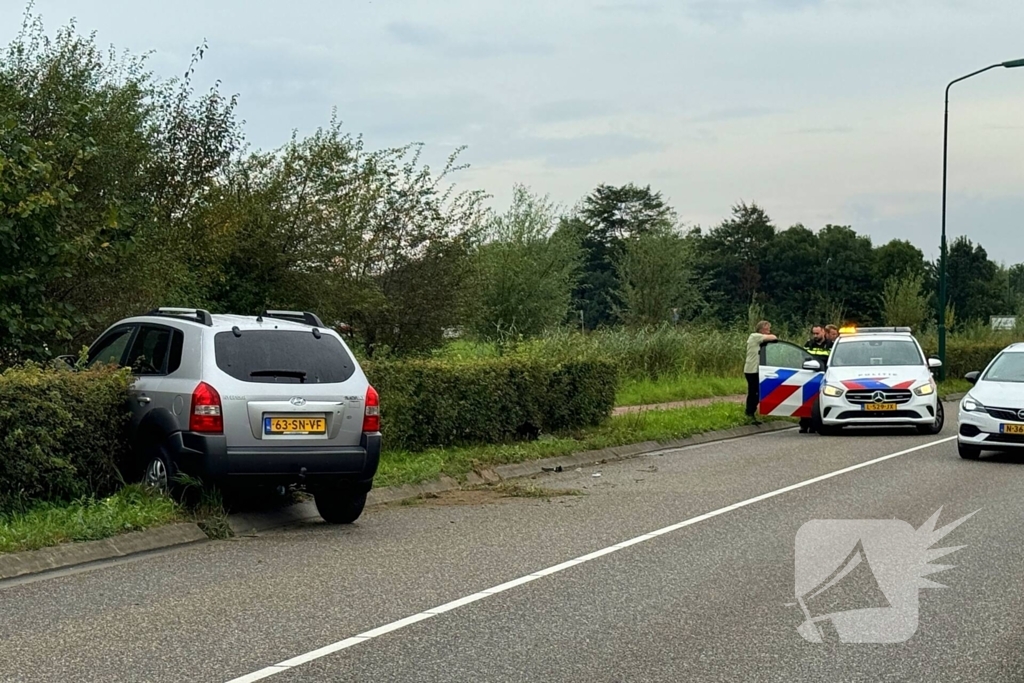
x=903, y=303
x=793, y=280
x=731, y=259
x=527, y=269
x=607, y=217
x=971, y=281
x=372, y=239
x=104, y=172
x=852, y=271
x=658, y=279
x=1016, y=276
x=898, y=258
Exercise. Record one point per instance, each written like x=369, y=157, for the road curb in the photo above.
x=72, y=554
x=244, y=524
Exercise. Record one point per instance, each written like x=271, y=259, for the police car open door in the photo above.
x=787, y=389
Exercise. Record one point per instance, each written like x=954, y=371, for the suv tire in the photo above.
x=940, y=421
x=159, y=471
x=339, y=506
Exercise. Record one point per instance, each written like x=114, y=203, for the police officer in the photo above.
x=818, y=343
x=818, y=346
x=831, y=334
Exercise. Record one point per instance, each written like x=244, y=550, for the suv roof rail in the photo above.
x=198, y=314
x=303, y=317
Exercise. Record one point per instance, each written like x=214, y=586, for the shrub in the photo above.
x=963, y=356
x=440, y=403
x=62, y=433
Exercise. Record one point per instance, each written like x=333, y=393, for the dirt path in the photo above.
x=624, y=410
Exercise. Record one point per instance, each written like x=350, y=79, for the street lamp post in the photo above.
x=942, y=248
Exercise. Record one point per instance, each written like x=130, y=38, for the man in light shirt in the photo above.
x=762, y=333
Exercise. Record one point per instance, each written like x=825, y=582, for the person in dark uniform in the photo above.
x=818, y=341
x=819, y=347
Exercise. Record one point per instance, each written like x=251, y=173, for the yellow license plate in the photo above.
x=294, y=425
x=880, y=407
x=1011, y=429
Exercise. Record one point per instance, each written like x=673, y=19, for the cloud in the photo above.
x=630, y=7
x=824, y=130
x=732, y=13
x=568, y=152
x=419, y=35
x=916, y=216
x=434, y=40
x=731, y=114
x=559, y=111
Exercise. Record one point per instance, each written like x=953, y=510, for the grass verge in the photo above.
x=133, y=508
x=637, y=392
x=953, y=386
x=405, y=467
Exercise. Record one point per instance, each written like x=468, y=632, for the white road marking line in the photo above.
x=501, y=588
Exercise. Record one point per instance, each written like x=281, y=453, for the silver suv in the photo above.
x=275, y=399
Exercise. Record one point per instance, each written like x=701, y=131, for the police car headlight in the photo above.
x=834, y=392
x=925, y=389
x=972, y=406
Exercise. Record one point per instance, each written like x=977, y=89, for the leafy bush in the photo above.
x=963, y=356
x=442, y=403
x=62, y=433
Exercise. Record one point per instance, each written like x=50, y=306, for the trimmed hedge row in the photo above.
x=965, y=356
x=62, y=433
x=437, y=403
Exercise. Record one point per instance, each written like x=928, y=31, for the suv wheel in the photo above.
x=339, y=506
x=940, y=421
x=160, y=471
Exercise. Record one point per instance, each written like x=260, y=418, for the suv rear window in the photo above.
x=283, y=356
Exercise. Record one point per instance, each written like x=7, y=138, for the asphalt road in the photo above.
x=711, y=600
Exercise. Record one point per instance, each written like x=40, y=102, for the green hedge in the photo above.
x=965, y=356
x=442, y=403
x=62, y=433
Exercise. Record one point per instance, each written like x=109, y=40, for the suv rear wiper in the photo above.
x=297, y=374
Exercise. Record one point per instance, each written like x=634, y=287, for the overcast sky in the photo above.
x=822, y=111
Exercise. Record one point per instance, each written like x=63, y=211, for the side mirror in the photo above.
x=812, y=365
x=934, y=363
x=68, y=360
x=972, y=377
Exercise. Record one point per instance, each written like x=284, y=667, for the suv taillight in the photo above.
x=371, y=415
x=205, y=415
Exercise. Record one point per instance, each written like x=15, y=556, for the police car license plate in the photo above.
x=879, y=407
x=1011, y=429
x=281, y=424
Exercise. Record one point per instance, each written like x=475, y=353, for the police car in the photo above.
x=874, y=376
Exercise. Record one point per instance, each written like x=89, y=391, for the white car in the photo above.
x=875, y=377
x=992, y=413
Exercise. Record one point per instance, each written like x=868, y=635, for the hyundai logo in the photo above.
x=878, y=397
x=296, y=401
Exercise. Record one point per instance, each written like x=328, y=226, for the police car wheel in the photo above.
x=935, y=427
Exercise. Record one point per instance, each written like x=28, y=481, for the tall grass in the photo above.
x=666, y=353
